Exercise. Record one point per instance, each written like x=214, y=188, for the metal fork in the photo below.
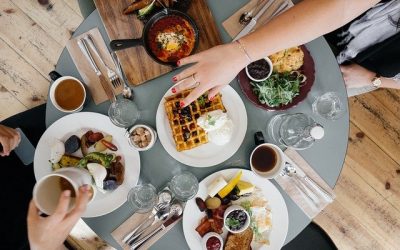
x=112, y=76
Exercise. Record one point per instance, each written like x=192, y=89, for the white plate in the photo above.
x=280, y=221
x=78, y=124
x=208, y=154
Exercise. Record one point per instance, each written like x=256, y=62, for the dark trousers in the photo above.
x=17, y=181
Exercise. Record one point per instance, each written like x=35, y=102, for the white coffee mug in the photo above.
x=53, y=90
x=278, y=166
x=47, y=190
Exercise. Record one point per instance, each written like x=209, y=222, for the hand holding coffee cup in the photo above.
x=50, y=188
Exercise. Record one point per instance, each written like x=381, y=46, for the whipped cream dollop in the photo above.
x=218, y=126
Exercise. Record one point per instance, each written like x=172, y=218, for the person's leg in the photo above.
x=17, y=181
x=86, y=7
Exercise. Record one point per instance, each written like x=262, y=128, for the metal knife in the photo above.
x=162, y=227
x=249, y=27
x=103, y=81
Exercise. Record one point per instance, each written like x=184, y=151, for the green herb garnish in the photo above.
x=202, y=101
x=210, y=120
x=279, y=89
x=231, y=222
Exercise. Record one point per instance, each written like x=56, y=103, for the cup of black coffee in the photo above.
x=267, y=160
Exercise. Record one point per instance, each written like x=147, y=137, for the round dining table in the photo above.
x=326, y=156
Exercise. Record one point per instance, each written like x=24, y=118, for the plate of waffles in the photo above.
x=186, y=141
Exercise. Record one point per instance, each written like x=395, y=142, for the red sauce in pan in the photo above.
x=171, y=38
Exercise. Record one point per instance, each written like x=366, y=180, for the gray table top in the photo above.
x=326, y=156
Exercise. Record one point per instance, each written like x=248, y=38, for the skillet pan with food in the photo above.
x=168, y=36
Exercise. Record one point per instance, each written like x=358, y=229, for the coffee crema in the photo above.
x=69, y=94
x=264, y=159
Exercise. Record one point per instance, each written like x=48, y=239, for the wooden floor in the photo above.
x=366, y=213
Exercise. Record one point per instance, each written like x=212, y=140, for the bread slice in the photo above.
x=240, y=241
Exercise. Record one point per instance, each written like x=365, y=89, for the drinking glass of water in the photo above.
x=184, y=186
x=143, y=198
x=123, y=113
x=329, y=106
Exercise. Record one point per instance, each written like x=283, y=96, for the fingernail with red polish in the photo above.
x=173, y=90
x=178, y=63
x=211, y=98
x=182, y=104
x=174, y=79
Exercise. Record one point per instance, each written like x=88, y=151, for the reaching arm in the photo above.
x=218, y=66
x=304, y=22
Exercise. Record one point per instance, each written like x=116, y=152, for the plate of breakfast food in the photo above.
x=205, y=133
x=288, y=84
x=236, y=209
x=91, y=142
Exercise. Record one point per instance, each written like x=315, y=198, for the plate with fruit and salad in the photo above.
x=236, y=209
x=91, y=142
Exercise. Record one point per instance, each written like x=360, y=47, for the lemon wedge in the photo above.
x=231, y=185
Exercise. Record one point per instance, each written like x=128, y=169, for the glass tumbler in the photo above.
x=123, y=113
x=143, y=198
x=329, y=106
x=184, y=186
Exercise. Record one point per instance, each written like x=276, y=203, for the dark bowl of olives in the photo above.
x=236, y=219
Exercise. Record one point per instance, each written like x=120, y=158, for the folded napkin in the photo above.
x=90, y=79
x=288, y=184
x=232, y=25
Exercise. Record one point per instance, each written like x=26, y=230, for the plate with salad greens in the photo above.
x=282, y=90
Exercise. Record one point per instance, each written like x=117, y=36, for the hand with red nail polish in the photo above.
x=50, y=232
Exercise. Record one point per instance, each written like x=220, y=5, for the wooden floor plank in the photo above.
x=369, y=207
x=60, y=21
x=28, y=39
x=346, y=230
x=377, y=122
x=9, y=104
x=390, y=98
x=73, y=4
x=372, y=164
x=21, y=79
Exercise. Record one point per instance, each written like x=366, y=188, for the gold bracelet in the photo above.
x=241, y=46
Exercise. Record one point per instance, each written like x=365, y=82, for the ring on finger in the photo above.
x=196, y=83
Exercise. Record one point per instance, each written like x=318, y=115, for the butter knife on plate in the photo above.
x=162, y=227
x=103, y=81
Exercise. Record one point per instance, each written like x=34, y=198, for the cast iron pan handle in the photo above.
x=125, y=43
x=259, y=138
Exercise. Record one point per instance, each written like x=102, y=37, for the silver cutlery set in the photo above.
x=166, y=210
x=251, y=22
x=307, y=187
x=116, y=79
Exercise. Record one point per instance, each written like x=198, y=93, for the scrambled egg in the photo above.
x=170, y=41
x=287, y=60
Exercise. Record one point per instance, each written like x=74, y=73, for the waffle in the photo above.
x=183, y=121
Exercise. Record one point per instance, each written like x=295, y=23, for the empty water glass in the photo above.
x=143, y=197
x=184, y=186
x=329, y=106
x=123, y=113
